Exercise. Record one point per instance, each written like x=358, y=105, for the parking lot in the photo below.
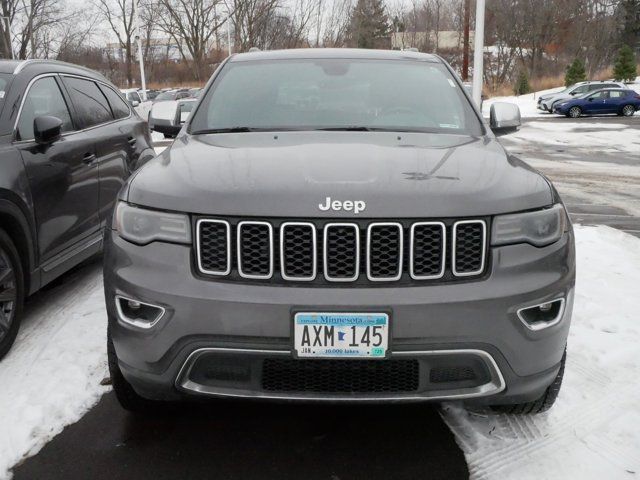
x=594, y=162
x=599, y=179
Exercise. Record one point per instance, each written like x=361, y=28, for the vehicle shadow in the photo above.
x=251, y=440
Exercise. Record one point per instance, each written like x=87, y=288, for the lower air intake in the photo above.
x=340, y=376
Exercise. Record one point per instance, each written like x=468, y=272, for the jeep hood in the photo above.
x=288, y=174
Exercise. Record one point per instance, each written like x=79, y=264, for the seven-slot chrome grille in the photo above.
x=331, y=252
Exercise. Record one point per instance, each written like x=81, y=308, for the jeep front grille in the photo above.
x=355, y=252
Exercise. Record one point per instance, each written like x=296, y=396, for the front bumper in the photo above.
x=246, y=324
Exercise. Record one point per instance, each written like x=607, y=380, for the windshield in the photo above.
x=166, y=96
x=394, y=95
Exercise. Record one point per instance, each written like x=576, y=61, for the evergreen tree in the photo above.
x=369, y=24
x=575, y=73
x=522, y=86
x=625, y=68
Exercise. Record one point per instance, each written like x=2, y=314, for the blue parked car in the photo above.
x=611, y=100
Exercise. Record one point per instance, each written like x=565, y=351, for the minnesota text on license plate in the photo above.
x=341, y=334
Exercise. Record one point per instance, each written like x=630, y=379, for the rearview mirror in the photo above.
x=504, y=118
x=47, y=129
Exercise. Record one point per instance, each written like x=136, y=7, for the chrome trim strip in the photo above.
x=453, y=248
x=444, y=251
x=400, y=256
x=496, y=385
x=283, y=271
x=239, y=230
x=70, y=132
x=198, y=252
x=72, y=252
x=324, y=252
x=137, y=323
x=542, y=325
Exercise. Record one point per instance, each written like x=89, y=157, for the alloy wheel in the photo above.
x=628, y=110
x=575, y=112
x=8, y=294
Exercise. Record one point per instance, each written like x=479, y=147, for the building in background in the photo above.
x=430, y=41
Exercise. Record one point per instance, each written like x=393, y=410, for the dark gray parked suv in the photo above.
x=68, y=143
x=339, y=225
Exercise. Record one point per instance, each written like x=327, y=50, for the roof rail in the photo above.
x=35, y=61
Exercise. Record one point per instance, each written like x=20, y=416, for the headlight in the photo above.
x=539, y=228
x=142, y=226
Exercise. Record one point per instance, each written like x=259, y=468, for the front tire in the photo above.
x=628, y=110
x=574, y=112
x=11, y=293
x=542, y=404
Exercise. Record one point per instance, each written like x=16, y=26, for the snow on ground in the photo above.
x=527, y=103
x=52, y=375
x=593, y=431
x=605, y=137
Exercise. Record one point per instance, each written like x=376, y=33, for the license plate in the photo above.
x=340, y=335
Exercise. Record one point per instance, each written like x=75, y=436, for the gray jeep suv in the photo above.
x=339, y=225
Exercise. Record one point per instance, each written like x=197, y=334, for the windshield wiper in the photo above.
x=226, y=130
x=346, y=129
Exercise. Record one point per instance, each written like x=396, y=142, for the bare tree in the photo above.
x=120, y=15
x=336, y=24
x=28, y=32
x=193, y=25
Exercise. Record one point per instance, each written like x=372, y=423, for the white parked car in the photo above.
x=142, y=107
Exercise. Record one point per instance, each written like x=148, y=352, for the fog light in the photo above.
x=137, y=313
x=133, y=305
x=545, y=307
x=543, y=315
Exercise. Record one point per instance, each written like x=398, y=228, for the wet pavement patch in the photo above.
x=252, y=440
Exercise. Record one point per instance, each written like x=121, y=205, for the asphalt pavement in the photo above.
x=249, y=440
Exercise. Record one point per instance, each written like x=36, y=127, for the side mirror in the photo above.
x=504, y=118
x=572, y=93
x=591, y=99
x=47, y=129
x=135, y=103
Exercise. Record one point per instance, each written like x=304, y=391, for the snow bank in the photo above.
x=52, y=375
x=527, y=103
x=593, y=431
x=570, y=134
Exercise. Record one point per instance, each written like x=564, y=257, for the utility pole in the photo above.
x=143, y=81
x=478, y=52
x=465, y=46
x=229, y=31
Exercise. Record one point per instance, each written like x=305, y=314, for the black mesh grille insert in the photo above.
x=255, y=247
x=340, y=376
x=341, y=251
x=469, y=247
x=385, y=251
x=298, y=248
x=214, y=253
x=451, y=374
x=428, y=249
